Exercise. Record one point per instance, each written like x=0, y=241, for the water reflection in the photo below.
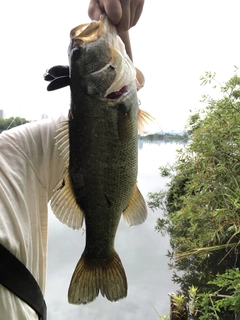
x=141, y=142
x=141, y=249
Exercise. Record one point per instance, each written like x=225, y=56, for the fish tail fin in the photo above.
x=91, y=277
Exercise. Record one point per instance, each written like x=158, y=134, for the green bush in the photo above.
x=202, y=204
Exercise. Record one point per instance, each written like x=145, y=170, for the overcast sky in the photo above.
x=173, y=44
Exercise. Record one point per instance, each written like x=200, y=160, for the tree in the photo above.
x=6, y=124
x=202, y=203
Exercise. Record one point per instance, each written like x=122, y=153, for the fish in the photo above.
x=99, y=144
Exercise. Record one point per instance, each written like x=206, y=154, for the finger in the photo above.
x=131, y=12
x=126, y=40
x=138, y=12
x=113, y=10
x=94, y=10
x=124, y=24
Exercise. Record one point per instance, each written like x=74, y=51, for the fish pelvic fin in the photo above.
x=63, y=202
x=136, y=211
x=91, y=278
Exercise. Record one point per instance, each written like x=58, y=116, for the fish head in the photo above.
x=98, y=61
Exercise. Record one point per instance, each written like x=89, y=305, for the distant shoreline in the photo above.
x=165, y=137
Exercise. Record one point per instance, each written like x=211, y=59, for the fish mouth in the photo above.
x=117, y=94
x=119, y=61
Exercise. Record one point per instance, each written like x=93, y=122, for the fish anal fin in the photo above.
x=136, y=211
x=90, y=278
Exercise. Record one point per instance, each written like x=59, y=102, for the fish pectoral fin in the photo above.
x=140, y=80
x=145, y=120
x=90, y=278
x=136, y=211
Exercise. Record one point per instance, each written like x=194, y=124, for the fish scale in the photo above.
x=107, y=162
x=108, y=170
x=100, y=180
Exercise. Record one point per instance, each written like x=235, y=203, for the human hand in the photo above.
x=122, y=13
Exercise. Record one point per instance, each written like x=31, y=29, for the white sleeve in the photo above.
x=30, y=167
x=35, y=141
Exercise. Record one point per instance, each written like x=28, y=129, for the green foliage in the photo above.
x=164, y=317
x=228, y=282
x=194, y=122
x=9, y=123
x=202, y=204
x=178, y=306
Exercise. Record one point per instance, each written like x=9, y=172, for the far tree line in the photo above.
x=11, y=122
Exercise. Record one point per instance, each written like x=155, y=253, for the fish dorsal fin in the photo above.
x=136, y=211
x=64, y=206
x=63, y=203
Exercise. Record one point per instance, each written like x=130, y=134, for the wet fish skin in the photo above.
x=99, y=144
x=103, y=170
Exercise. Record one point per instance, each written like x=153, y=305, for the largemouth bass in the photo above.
x=99, y=143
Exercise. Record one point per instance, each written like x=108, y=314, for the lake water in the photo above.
x=141, y=249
